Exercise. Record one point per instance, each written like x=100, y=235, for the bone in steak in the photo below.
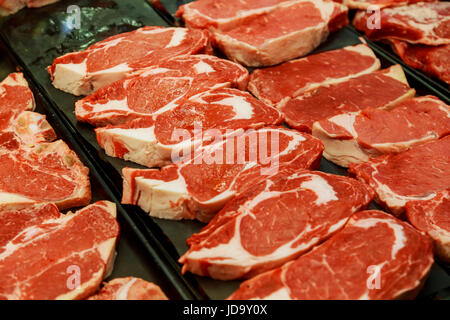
x=116, y=57
x=294, y=212
x=159, y=89
x=224, y=14
x=47, y=172
x=416, y=174
x=374, y=257
x=154, y=143
x=380, y=89
x=15, y=97
x=293, y=78
x=433, y=60
x=424, y=23
x=129, y=288
x=48, y=255
x=356, y=137
x=297, y=27
x=200, y=185
x=432, y=217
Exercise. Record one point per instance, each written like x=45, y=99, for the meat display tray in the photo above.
x=36, y=37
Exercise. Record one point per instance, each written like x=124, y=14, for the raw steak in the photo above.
x=224, y=14
x=200, y=186
x=15, y=97
x=356, y=137
x=380, y=89
x=297, y=27
x=367, y=4
x=159, y=89
x=293, y=78
x=433, y=60
x=294, y=212
x=424, y=23
x=432, y=217
x=154, y=143
x=129, y=288
x=18, y=124
x=47, y=172
x=56, y=256
x=81, y=73
x=375, y=257
x=416, y=174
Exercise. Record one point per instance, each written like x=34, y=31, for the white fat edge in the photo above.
x=178, y=36
x=154, y=31
x=110, y=105
x=347, y=121
x=122, y=293
x=281, y=294
x=391, y=198
x=153, y=71
x=417, y=17
x=146, y=135
x=241, y=107
x=202, y=67
x=362, y=49
x=401, y=146
x=71, y=77
x=326, y=8
x=7, y=198
x=400, y=238
x=323, y=190
x=105, y=77
x=109, y=43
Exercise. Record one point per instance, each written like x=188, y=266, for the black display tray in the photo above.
x=35, y=38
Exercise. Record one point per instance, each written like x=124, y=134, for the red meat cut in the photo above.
x=129, y=288
x=154, y=143
x=293, y=78
x=116, y=57
x=72, y=252
x=380, y=89
x=202, y=183
x=159, y=89
x=15, y=98
x=375, y=257
x=307, y=206
x=433, y=60
x=421, y=23
x=356, y=137
x=224, y=14
x=298, y=27
x=432, y=217
x=47, y=172
x=416, y=174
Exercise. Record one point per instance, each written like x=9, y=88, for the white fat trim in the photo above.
x=323, y=190
x=178, y=36
x=202, y=67
x=122, y=293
